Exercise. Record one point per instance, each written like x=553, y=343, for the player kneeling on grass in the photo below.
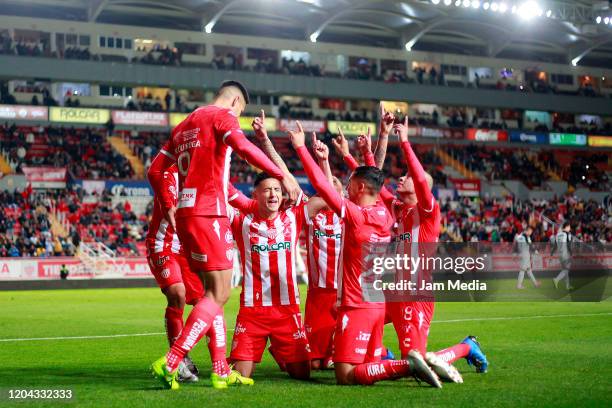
x=359, y=329
x=267, y=236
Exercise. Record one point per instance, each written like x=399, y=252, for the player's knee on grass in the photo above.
x=175, y=295
x=299, y=370
x=345, y=373
x=218, y=285
x=316, y=364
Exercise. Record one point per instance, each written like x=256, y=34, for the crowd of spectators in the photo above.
x=163, y=55
x=25, y=229
x=499, y=220
x=85, y=152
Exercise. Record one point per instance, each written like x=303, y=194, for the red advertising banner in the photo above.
x=467, y=187
x=123, y=117
x=45, y=177
x=49, y=268
x=18, y=112
x=308, y=125
x=486, y=135
x=436, y=132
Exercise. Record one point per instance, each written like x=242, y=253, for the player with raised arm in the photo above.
x=415, y=224
x=267, y=238
x=170, y=268
x=359, y=328
x=201, y=147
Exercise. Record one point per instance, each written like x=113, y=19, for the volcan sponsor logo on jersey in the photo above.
x=188, y=134
x=277, y=246
x=185, y=146
x=161, y=260
x=187, y=198
x=319, y=233
x=406, y=236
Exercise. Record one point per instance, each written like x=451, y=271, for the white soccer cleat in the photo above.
x=421, y=371
x=184, y=375
x=447, y=372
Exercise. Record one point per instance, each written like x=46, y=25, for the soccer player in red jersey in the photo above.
x=170, y=268
x=417, y=215
x=267, y=238
x=359, y=328
x=201, y=147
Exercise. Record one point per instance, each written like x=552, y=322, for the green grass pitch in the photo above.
x=539, y=356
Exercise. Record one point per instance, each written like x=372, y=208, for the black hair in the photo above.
x=566, y=224
x=373, y=176
x=261, y=177
x=237, y=84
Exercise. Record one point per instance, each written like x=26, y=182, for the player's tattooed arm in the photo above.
x=290, y=183
x=422, y=188
x=314, y=173
x=315, y=204
x=384, y=129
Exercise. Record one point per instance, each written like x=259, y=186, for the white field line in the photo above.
x=112, y=336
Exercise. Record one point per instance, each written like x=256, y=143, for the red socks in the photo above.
x=217, y=345
x=197, y=325
x=174, y=323
x=454, y=353
x=369, y=373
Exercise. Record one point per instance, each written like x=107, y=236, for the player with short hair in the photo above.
x=359, y=328
x=523, y=245
x=415, y=224
x=170, y=268
x=563, y=241
x=267, y=234
x=201, y=147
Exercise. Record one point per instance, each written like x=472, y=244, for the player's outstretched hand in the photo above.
x=259, y=126
x=320, y=149
x=401, y=129
x=341, y=144
x=171, y=217
x=298, y=139
x=364, y=142
x=386, y=120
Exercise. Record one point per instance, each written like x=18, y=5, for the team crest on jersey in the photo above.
x=229, y=254
x=272, y=233
x=165, y=273
x=229, y=238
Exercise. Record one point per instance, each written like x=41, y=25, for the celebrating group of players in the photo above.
x=199, y=218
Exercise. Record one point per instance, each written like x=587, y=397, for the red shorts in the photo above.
x=320, y=321
x=359, y=334
x=207, y=241
x=281, y=324
x=169, y=268
x=411, y=321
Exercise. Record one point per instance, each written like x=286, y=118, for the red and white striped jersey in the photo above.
x=161, y=236
x=268, y=250
x=323, y=244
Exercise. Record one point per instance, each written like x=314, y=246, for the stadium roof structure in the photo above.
x=559, y=32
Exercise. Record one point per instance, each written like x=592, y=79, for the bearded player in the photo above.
x=170, y=268
x=201, y=147
x=359, y=328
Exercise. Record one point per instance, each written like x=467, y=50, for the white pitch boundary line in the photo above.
x=112, y=336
